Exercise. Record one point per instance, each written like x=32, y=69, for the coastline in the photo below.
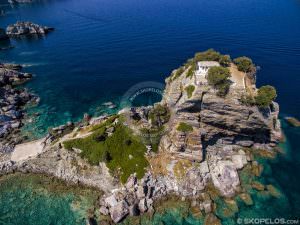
x=138, y=196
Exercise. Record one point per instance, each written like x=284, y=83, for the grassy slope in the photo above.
x=118, y=146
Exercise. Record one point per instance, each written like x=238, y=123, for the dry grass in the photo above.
x=159, y=162
x=181, y=168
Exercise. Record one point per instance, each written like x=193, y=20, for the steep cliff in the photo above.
x=216, y=120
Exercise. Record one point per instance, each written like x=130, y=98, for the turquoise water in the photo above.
x=102, y=48
x=26, y=199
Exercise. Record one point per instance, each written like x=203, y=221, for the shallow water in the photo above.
x=102, y=48
x=35, y=199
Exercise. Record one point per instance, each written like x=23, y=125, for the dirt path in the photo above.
x=237, y=77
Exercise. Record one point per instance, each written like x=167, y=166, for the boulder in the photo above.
x=143, y=205
x=225, y=177
x=119, y=211
x=239, y=161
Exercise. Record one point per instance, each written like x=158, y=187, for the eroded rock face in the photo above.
x=215, y=120
x=26, y=28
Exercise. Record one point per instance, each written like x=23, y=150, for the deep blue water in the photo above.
x=102, y=48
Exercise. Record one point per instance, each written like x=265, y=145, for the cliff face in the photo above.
x=216, y=120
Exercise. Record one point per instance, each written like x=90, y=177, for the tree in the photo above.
x=209, y=55
x=225, y=60
x=189, y=90
x=265, y=96
x=218, y=77
x=244, y=64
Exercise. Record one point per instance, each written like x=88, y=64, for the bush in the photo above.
x=184, y=127
x=178, y=73
x=244, y=64
x=247, y=100
x=217, y=75
x=218, y=78
x=189, y=90
x=209, y=55
x=191, y=70
x=225, y=60
x=265, y=96
x=159, y=115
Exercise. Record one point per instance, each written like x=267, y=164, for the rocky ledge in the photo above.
x=12, y=102
x=27, y=28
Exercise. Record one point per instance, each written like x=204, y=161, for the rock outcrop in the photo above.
x=215, y=120
x=26, y=28
x=12, y=101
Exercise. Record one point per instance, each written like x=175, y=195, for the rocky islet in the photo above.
x=210, y=154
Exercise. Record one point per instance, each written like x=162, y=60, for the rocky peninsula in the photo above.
x=193, y=144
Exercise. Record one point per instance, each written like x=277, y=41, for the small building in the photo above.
x=204, y=66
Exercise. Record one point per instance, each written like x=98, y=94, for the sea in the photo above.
x=100, y=49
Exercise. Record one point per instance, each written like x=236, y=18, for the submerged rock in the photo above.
x=246, y=198
x=293, y=121
x=211, y=219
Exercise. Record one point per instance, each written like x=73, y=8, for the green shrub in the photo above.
x=225, y=60
x=244, y=64
x=189, y=90
x=191, y=70
x=223, y=88
x=247, y=100
x=265, y=96
x=184, y=127
x=178, y=73
x=114, y=150
x=217, y=75
x=218, y=78
x=208, y=55
x=159, y=115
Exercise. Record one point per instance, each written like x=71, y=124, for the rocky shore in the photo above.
x=12, y=102
x=208, y=140
x=27, y=28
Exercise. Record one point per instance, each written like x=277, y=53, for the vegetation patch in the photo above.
x=208, y=55
x=218, y=77
x=189, y=90
x=184, y=127
x=159, y=115
x=178, y=72
x=114, y=144
x=191, y=70
x=181, y=168
x=265, y=96
x=244, y=64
